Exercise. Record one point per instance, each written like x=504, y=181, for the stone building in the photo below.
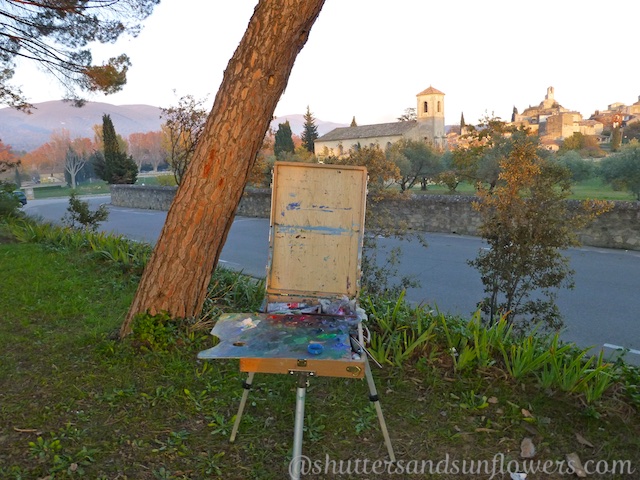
x=553, y=123
x=618, y=114
x=428, y=126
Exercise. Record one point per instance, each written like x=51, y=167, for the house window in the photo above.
x=438, y=106
x=426, y=107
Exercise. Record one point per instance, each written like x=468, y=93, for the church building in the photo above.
x=428, y=126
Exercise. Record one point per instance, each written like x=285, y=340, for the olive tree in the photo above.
x=622, y=170
x=417, y=162
x=526, y=224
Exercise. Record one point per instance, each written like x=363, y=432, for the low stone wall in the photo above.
x=619, y=228
x=142, y=196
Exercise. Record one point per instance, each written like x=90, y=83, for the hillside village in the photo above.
x=553, y=122
x=550, y=120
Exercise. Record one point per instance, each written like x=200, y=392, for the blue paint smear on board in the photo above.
x=291, y=229
x=293, y=206
x=323, y=208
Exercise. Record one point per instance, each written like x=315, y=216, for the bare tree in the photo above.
x=73, y=163
x=183, y=126
x=146, y=149
x=179, y=270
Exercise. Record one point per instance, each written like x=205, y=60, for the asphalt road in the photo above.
x=603, y=310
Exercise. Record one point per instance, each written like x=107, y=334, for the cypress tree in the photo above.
x=115, y=166
x=310, y=132
x=283, y=141
x=616, y=139
x=353, y=122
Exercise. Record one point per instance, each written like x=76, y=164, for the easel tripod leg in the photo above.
x=246, y=386
x=373, y=396
x=301, y=392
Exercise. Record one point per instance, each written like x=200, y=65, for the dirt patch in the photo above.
x=6, y=238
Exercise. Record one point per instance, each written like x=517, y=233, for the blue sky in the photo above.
x=369, y=58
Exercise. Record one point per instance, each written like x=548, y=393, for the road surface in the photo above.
x=602, y=311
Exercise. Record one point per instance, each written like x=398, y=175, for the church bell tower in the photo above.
x=430, y=116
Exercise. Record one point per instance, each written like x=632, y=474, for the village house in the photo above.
x=553, y=123
x=618, y=114
x=428, y=126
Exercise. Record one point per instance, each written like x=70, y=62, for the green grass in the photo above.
x=589, y=189
x=594, y=188
x=95, y=188
x=165, y=178
x=74, y=403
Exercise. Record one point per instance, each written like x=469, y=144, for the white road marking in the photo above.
x=618, y=347
x=229, y=263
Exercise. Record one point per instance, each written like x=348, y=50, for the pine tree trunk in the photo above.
x=179, y=270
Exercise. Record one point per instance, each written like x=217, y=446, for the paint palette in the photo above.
x=274, y=343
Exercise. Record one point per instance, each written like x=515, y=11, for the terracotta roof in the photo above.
x=368, y=131
x=430, y=91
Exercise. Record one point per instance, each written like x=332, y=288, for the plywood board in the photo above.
x=317, y=229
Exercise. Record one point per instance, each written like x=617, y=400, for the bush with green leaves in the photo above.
x=155, y=333
x=399, y=332
x=131, y=256
x=80, y=216
x=581, y=169
x=622, y=170
x=9, y=203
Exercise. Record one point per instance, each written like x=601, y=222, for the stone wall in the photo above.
x=619, y=228
x=141, y=196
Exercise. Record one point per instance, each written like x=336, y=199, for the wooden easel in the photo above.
x=315, y=240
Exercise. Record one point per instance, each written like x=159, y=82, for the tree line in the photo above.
x=109, y=156
x=409, y=164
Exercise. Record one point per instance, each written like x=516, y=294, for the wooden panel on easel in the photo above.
x=320, y=368
x=317, y=228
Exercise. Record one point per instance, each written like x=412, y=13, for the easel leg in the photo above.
x=301, y=392
x=373, y=396
x=246, y=386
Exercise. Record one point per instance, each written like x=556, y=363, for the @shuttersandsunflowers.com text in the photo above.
x=498, y=466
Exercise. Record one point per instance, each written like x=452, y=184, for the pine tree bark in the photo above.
x=179, y=270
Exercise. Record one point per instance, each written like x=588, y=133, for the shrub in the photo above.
x=79, y=216
x=9, y=203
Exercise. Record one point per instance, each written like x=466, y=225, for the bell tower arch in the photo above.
x=430, y=116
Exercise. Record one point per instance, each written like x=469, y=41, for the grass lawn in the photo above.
x=593, y=188
x=95, y=188
x=589, y=189
x=75, y=403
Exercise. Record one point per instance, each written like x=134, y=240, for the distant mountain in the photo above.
x=28, y=132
